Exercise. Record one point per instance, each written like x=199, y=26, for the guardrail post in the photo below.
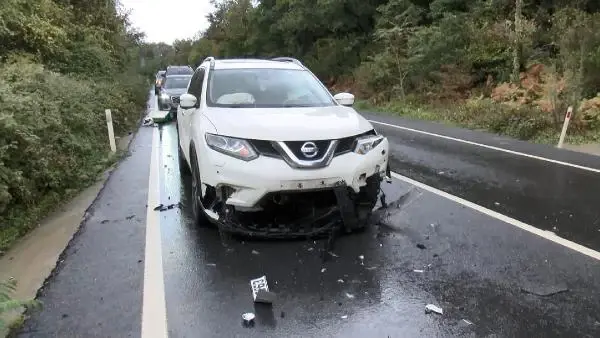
x=563, y=133
x=111, y=132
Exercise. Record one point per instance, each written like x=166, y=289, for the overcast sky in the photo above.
x=168, y=20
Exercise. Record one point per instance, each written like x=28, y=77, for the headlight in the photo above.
x=366, y=143
x=235, y=147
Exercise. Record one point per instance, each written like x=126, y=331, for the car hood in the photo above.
x=288, y=124
x=174, y=91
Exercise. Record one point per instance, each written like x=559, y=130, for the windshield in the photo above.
x=266, y=88
x=177, y=82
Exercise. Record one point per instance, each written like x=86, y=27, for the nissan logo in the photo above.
x=309, y=149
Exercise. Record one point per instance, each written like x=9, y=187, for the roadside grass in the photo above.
x=53, y=138
x=21, y=219
x=10, y=318
x=524, y=123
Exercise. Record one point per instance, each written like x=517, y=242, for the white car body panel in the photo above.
x=288, y=124
x=253, y=179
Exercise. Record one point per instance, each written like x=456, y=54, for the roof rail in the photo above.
x=211, y=59
x=288, y=59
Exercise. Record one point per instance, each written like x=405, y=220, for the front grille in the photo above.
x=345, y=145
x=175, y=99
x=296, y=146
x=265, y=148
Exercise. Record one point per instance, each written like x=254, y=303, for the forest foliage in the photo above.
x=62, y=63
x=526, y=59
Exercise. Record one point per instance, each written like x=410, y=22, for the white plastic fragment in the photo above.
x=254, y=252
x=211, y=264
x=429, y=308
x=340, y=280
x=248, y=318
x=344, y=317
x=419, y=271
x=257, y=285
x=349, y=295
x=467, y=322
x=323, y=270
x=148, y=121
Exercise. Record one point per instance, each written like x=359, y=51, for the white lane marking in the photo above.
x=489, y=147
x=154, y=313
x=542, y=233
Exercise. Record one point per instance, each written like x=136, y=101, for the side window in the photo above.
x=196, y=82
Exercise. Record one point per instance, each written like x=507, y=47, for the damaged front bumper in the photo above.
x=266, y=197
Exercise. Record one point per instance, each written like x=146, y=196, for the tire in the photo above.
x=184, y=168
x=200, y=218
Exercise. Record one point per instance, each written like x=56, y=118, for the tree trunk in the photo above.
x=518, y=44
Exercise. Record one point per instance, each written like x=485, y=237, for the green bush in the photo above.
x=53, y=138
x=522, y=122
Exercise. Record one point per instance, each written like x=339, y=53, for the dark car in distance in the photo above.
x=179, y=70
x=158, y=81
x=173, y=86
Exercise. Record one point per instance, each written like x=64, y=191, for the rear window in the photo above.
x=183, y=70
x=177, y=82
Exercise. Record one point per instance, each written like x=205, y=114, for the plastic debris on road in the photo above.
x=429, y=308
x=148, y=122
x=248, y=318
x=419, y=271
x=260, y=291
x=162, y=207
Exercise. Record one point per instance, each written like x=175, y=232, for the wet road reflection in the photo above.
x=552, y=197
x=428, y=250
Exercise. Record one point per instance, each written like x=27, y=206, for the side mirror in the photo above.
x=345, y=99
x=187, y=101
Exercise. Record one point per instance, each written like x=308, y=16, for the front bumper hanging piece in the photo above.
x=346, y=206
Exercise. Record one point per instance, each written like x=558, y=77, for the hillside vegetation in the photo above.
x=62, y=62
x=509, y=66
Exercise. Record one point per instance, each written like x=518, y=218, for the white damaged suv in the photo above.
x=272, y=153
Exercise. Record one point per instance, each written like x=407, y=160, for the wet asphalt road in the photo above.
x=475, y=267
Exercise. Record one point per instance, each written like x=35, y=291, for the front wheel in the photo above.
x=184, y=168
x=200, y=217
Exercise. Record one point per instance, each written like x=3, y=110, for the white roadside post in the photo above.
x=111, y=132
x=563, y=133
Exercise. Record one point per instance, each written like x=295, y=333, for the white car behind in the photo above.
x=271, y=152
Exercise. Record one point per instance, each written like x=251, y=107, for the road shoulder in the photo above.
x=73, y=275
x=33, y=258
